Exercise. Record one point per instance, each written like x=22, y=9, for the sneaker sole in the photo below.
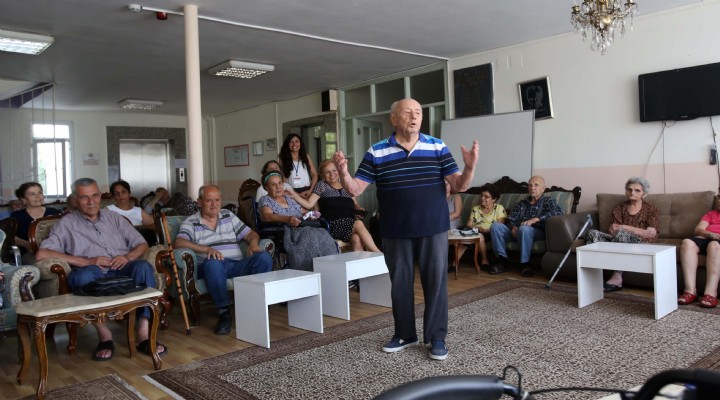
x=437, y=357
x=396, y=349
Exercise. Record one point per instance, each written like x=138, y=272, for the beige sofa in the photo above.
x=679, y=213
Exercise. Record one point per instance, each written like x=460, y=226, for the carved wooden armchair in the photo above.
x=54, y=272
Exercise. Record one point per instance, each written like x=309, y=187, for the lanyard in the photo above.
x=296, y=167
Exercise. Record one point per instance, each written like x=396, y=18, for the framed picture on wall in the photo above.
x=271, y=144
x=258, y=148
x=535, y=95
x=237, y=156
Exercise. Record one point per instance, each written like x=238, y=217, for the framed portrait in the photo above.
x=258, y=148
x=237, y=156
x=535, y=95
x=271, y=144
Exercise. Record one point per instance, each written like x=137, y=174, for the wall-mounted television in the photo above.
x=680, y=94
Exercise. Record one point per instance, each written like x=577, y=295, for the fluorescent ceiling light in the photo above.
x=240, y=69
x=135, y=104
x=24, y=43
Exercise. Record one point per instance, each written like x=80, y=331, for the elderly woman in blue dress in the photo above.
x=302, y=242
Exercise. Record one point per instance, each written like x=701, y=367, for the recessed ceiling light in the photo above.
x=240, y=69
x=23, y=42
x=135, y=104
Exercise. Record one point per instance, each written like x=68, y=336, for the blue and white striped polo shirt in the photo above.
x=410, y=186
x=228, y=232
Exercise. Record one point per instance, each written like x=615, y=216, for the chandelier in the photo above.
x=599, y=19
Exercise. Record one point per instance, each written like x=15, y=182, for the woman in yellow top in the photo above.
x=482, y=216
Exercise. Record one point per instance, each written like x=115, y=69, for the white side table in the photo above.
x=254, y=293
x=337, y=270
x=645, y=258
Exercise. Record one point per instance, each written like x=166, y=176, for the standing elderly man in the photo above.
x=213, y=233
x=100, y=243
x=410, y=169
x=525, y=224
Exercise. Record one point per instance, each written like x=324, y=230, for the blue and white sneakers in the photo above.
x=438, y=351
x=396, y=344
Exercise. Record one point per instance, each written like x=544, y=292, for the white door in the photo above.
x=145, y=165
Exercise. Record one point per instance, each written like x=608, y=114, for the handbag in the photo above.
x=109, y=286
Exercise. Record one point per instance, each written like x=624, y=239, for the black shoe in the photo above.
x=527, y=272
x=496, y=268
x=224, y=324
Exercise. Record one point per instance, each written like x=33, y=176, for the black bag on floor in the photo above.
x=109, y=286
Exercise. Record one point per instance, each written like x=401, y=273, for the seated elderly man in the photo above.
x=100, y=243
x=213, y=233
x=525, y=224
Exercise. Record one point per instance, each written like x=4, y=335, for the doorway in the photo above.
x=145, y=164
x=365, y=133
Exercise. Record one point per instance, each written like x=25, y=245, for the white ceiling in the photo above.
x=104, y=53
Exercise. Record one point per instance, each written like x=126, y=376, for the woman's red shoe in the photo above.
x=686, y=298
x=708, y=301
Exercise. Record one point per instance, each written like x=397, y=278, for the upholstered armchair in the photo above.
x=16, y=287
x=54, y=272
x=193, y=289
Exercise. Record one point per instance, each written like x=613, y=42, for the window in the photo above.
x=52, y=158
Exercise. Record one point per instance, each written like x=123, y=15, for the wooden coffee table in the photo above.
x=38, y=314
x=456, y=241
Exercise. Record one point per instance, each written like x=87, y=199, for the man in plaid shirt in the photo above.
x=525, y=224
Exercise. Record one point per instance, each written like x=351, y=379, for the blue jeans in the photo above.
x=217, y=272
x=139, y=270
x=526, y=235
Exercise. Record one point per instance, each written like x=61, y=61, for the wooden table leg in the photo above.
x=157, y=362
x=24, y=343
x=39, y=333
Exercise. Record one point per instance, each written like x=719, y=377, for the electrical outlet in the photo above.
x=181, y=174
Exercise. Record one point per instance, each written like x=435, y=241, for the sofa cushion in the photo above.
x=678, y=213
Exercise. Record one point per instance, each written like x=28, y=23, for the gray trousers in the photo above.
x=431, y=254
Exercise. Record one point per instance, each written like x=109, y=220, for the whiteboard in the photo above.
x=506, y=144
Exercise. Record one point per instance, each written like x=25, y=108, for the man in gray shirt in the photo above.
x=99, y=243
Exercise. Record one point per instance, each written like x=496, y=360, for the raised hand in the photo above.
x=470, y=157
x=340, y=163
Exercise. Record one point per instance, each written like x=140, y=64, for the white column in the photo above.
x=192, y=85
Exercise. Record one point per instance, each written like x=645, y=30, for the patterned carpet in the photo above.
x=110, y=387
x=613, y=343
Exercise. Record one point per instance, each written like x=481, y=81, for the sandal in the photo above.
x=106, y=345
x=144, y=347
x=686, y=298
x=708, y=301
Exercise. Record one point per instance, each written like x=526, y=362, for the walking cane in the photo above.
x=175, y=271
x=582, y=230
